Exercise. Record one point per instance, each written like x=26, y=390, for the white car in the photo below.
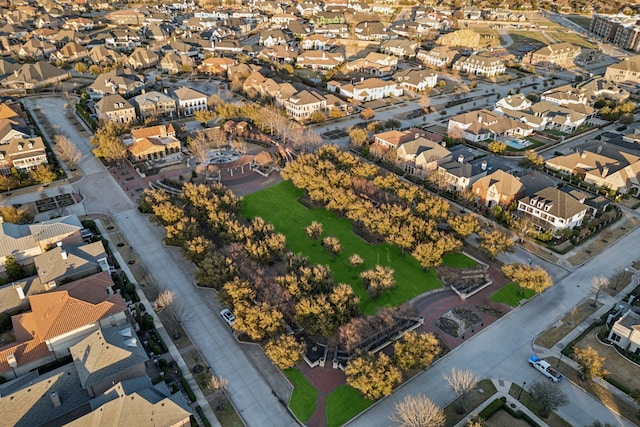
x=228, y=316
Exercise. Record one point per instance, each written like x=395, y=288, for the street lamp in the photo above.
x=524, y=383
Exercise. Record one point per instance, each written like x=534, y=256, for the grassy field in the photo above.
x=583, y=21
x=279, y=206
x=511, y=294
x=570, y=321
x=458, y=261
x=573, y=38
x=344, y=403
x=303, y=399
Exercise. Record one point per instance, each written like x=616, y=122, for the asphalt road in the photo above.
x=247, y=389
x=501, y=351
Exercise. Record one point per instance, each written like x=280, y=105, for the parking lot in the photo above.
x=334, y=134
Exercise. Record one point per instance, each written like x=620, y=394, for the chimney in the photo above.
x=143, y=91
x=55, y=399
x=63, y=254
x=583, y=155
x=11, y=360
x=599, y=149
x=20, y=292
x=460, y=158
x=605, y=171
x=483, y=165
x=479, y=118
x=416, y=136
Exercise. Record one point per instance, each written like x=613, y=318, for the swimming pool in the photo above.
x=518, y=144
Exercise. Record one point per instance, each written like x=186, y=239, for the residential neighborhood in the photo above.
x=319, y=213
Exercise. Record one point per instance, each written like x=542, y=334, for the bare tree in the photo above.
x=163, y=301
x=547, y=397
x=418, y=411
x=462, y=382
x=199, y=147
x=66, y=151
x=599, y=284
x=218, y=386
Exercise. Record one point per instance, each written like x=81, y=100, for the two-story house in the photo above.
x=481, y=65
x=303, y=104
x=625, y=333
x=556, y=55
x=416, y=80
x=481, y=125
x=367, y=90
x=189, y=100
x=22, y=153
x=114, y=108
x=438, y=57
x=152, y=143
x=552, y=209
x=498, y=188
x=421, y=156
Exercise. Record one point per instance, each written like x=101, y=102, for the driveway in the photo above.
x=247, y=389
x=501, y=351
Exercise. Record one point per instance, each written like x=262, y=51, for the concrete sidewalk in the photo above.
x=175, y=353
x=503, y=388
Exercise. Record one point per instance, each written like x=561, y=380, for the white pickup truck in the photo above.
x=545, y=368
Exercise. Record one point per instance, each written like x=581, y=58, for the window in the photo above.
x=615, y=337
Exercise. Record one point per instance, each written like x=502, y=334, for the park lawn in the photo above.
x=511, y=294
x=344, y=403
x=303, y=399
x=279, y=205
x=458, y=260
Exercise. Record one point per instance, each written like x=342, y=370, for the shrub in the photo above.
x=187, y=389
x=492, y=408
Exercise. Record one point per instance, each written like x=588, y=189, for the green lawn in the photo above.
x=510, y=294
x=279, y=205
x=458, y=260
x=344, y=403
x=303, y=399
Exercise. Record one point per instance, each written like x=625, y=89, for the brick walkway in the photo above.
x=325, y=380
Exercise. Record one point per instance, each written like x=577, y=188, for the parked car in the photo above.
x=228, y=316
x=544, y=367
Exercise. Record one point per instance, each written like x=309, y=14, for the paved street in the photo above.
x=248, y=390
x=501, y=351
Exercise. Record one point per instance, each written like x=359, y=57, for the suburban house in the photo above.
x=154, y=104
x=598, y=87
x=367, y=90
x=498, y=188
x=31, y=76
x=25, y=241
x=121, y=81
x=552, y=209
x=481, y=65
x=626, y=71
x=115, y=108
x=463, y=171
x=620, y=173
x=481, y=125
x=53, y=324
x=152, y=143
x=438, y=57
x=70, y=52
x=557, y=54
x=564, y=95
x=189, y=100
x=143, y=58
x=394, y=138
x=565, y=119
x=625, y=332
x=420, y=156
x=401, y=48
x=101, y=55
x=270, y=38
x=375, y=64
x=416, y=80
x=513, y=102
x=66, y=263
x=22, y=153
x=319, y=59
x=371, y=30
x=303, y=104
x=108, y=355
x=215, y=65
x=317, y=41
x=62, y=396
